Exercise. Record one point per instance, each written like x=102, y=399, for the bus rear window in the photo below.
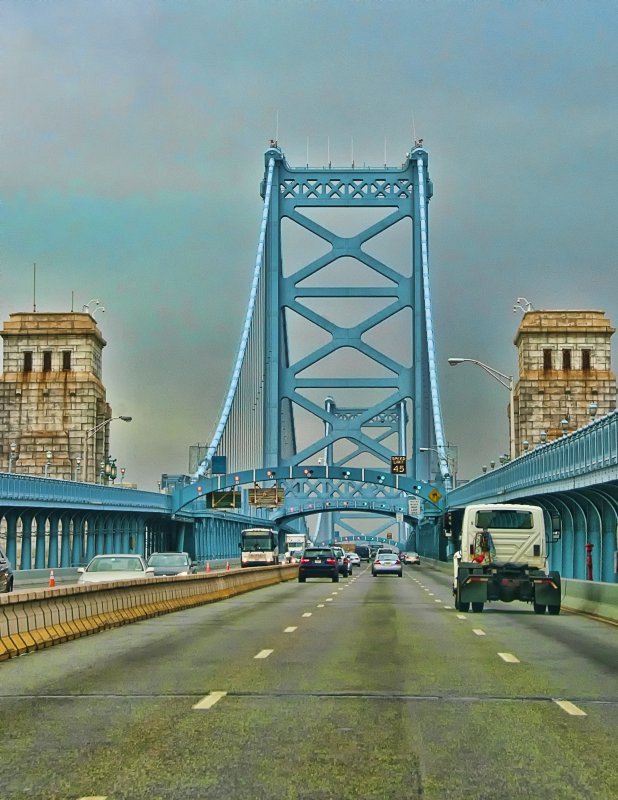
x=504, y=519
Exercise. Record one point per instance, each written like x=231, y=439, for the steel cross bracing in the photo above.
x=403, y=195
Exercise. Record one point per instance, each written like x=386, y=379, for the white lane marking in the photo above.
x=431, y=594
x=94, y=797
x=447, y=607
x=570, y=708
x=308, y=614
x=263, y=654
x=509, y=658
x=437, y=601
x=461, y=616
x=338, y=590
x=329, y=599
x=209, y=700
x=321, y=605
x=291, y=629
x=478, y=631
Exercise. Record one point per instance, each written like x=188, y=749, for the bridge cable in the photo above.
x=431, y=353
x=212, y=448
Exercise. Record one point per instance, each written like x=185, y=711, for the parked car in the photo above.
x=114, y=567
x=6, y=573
x=387, y=564
x=172, y=564
x=411, y=558
x=318, y=562
x=354, y=559
x=343, y=560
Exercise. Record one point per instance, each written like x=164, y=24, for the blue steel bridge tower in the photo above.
x=336, y=363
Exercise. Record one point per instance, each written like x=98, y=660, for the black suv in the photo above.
x=318, y=562
x=6, y=573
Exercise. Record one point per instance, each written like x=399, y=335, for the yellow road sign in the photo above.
x=434, y=495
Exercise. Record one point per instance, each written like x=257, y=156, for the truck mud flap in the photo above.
x=547, y=590
x=473, y=588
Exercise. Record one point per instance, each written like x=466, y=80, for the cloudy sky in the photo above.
x=132, y=139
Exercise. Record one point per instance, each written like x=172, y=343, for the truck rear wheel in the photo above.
x=460, y=605
x=539, y=608
x=477, y=608
x=553, y=610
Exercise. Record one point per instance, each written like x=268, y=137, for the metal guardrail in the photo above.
x=585, y=457
x=17, y=490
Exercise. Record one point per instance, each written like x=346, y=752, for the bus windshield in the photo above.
x=257, y=540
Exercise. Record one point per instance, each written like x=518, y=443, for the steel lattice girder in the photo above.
x=394, y=189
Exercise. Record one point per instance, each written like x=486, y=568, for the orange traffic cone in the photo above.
x=52, y=580
x=208, y=566
x=227, y=566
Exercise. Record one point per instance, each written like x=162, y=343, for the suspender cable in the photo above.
x=212, y=448
x=431, y=351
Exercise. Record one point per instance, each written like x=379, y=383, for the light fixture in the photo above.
x=592, y=409
x=543, y=436
x=492, y=464
x=525, y=444
x=484, y=468
x=564, y=424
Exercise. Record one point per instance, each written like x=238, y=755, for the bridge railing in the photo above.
x=19, y=490
x=577, y=458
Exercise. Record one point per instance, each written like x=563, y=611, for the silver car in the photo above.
x=115, y=567
x=387, y=564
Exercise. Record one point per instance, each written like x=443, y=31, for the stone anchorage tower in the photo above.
x=565, y=376
x=51, y=396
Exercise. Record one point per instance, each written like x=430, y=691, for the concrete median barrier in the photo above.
x=45, y=617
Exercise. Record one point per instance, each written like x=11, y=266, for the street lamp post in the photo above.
x=12, y=456
x=449, y=477
x=93, y=431
x=48, y=462
x=503, y=380
x=78, y=466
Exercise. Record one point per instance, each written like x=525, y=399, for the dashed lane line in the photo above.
x=307, y=614
x=329, y=599
x=570, y=708
x=509, y=658
x=291, y=629
x=478, y=631
x=210, y=700
x=321, y=605
x=263, y=654
x=461, y=616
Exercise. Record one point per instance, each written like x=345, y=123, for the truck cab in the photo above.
x=503, y=556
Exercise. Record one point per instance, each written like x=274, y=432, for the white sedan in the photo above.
x=354, y=559
x=116, y=567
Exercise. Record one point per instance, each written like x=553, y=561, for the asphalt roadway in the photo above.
x=368, y=688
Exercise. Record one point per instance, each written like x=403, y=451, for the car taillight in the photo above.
x=331, y=560
x=377, y=562
x=397, y=562
x=304, y=561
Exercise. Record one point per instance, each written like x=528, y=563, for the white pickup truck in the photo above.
x=503, y=556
